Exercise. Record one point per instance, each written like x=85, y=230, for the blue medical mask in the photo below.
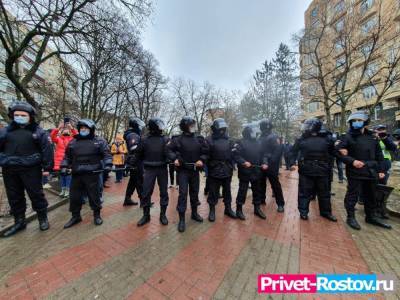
x=358, y=124
x=84, y=132
x=21, y=120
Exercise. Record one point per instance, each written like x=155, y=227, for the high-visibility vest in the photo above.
x=386, y=153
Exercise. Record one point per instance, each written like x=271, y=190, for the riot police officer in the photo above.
x=247, y=154
x=272, y=152
x=154, y=154
x=132, y=137
x=85, y=157
x=189, y=152
x=25, y=151
x=220, y=168
x=361, y=153
x=316, y=151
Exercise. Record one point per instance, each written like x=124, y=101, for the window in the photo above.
x=369, y=92
x=314, y=13
x=366, y=49
x=340, y=62
x=377, y=112
x=340, y=83
x=313, y=107
x=312, y=89
x=339, y=7
x=371, y=70
x=339, y=46
x=393, y=54
x=367, y=26
x=339, y=26
x=336, y=120
x=366, y=5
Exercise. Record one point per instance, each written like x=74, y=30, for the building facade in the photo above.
x=350, y=60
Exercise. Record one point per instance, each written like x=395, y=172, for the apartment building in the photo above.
x=350, y=60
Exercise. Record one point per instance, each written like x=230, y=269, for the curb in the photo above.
x=32, y=216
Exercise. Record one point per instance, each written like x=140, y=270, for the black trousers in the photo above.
x=309, y=186
x=354, y=188
x=189, y=182
x=81, y=185
x=135, y=182
x=214, y=187
x=149, y=181
x=171, y=170
x=287, y=161
x=276, y=188
x=242, y=192
x=18, y=180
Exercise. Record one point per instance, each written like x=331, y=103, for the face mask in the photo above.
x=253, y=134
x=358, y=124
x=84, y=132
x=21, y=120
x=192, y=129
x=382, y=134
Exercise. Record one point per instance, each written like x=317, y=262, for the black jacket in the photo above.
x=25, y=147
x=315, y=155
x=153, y=152
x=87, y=154
x=248, y=150
x=188, y=148
x=272, y=152
x=220, y=162
x=363, y=147
x=133, y=141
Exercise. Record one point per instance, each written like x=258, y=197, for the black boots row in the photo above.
x=257, y=212
x=20, y=224
x=370, y=219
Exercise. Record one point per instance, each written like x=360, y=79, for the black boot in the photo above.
x=129, y=202
x=263, y=202
x=211, y=215
x=330, y=217
x=181, y=224
x=195, y=216
x=146, y=217
x=76, y=218
x=280, y=209
x=239, y=212
x=258, y=212
x=163, y=217
x=229, y=212
x=304, y=217
x=43, y=221
x=97, y=218
x=19, y=224
x=352, y=222
x=374, y=220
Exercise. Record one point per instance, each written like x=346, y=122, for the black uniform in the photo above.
x=133, y=140
x=248, y=150
x=85, y=156
x=24, y=153
x=363, y=147
x=152, y=151
x=220, y=168
x=316, y=152
x=188, y=148
x=272, y=153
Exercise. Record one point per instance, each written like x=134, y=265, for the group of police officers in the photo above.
x=26, y=154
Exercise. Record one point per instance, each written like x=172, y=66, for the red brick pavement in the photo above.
x=198, y=269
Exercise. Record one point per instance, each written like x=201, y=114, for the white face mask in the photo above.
x=253, y=134
x=192, y=129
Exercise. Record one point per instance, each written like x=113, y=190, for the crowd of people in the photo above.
x=82, y=161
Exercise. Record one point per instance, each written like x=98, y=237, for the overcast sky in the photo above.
x=220, y=41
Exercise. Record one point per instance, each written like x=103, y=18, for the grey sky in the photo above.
x=221, y=41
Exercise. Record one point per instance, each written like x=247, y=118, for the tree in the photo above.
x=345, y=53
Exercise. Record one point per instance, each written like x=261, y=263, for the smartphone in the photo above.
x=66, y=120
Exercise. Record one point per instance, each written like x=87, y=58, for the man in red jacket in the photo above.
x=61, y=137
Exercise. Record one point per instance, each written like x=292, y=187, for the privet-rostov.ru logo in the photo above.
x=324, y=283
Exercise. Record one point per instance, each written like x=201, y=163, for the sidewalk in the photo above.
x=218, y=260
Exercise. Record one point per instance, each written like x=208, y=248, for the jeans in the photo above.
x=65, y=181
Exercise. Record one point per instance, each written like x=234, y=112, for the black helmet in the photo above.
x=156, y=125
x=136, y=124
x=358, y=115
x=266, y=126
x=87, y=123
x=380, y=127
x=396, y=134
x=186, y=123
x=22, y=106
x=312, y=125
x=249, y=132
x=219, y=126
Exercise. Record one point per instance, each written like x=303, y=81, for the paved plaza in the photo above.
x=218, y=260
